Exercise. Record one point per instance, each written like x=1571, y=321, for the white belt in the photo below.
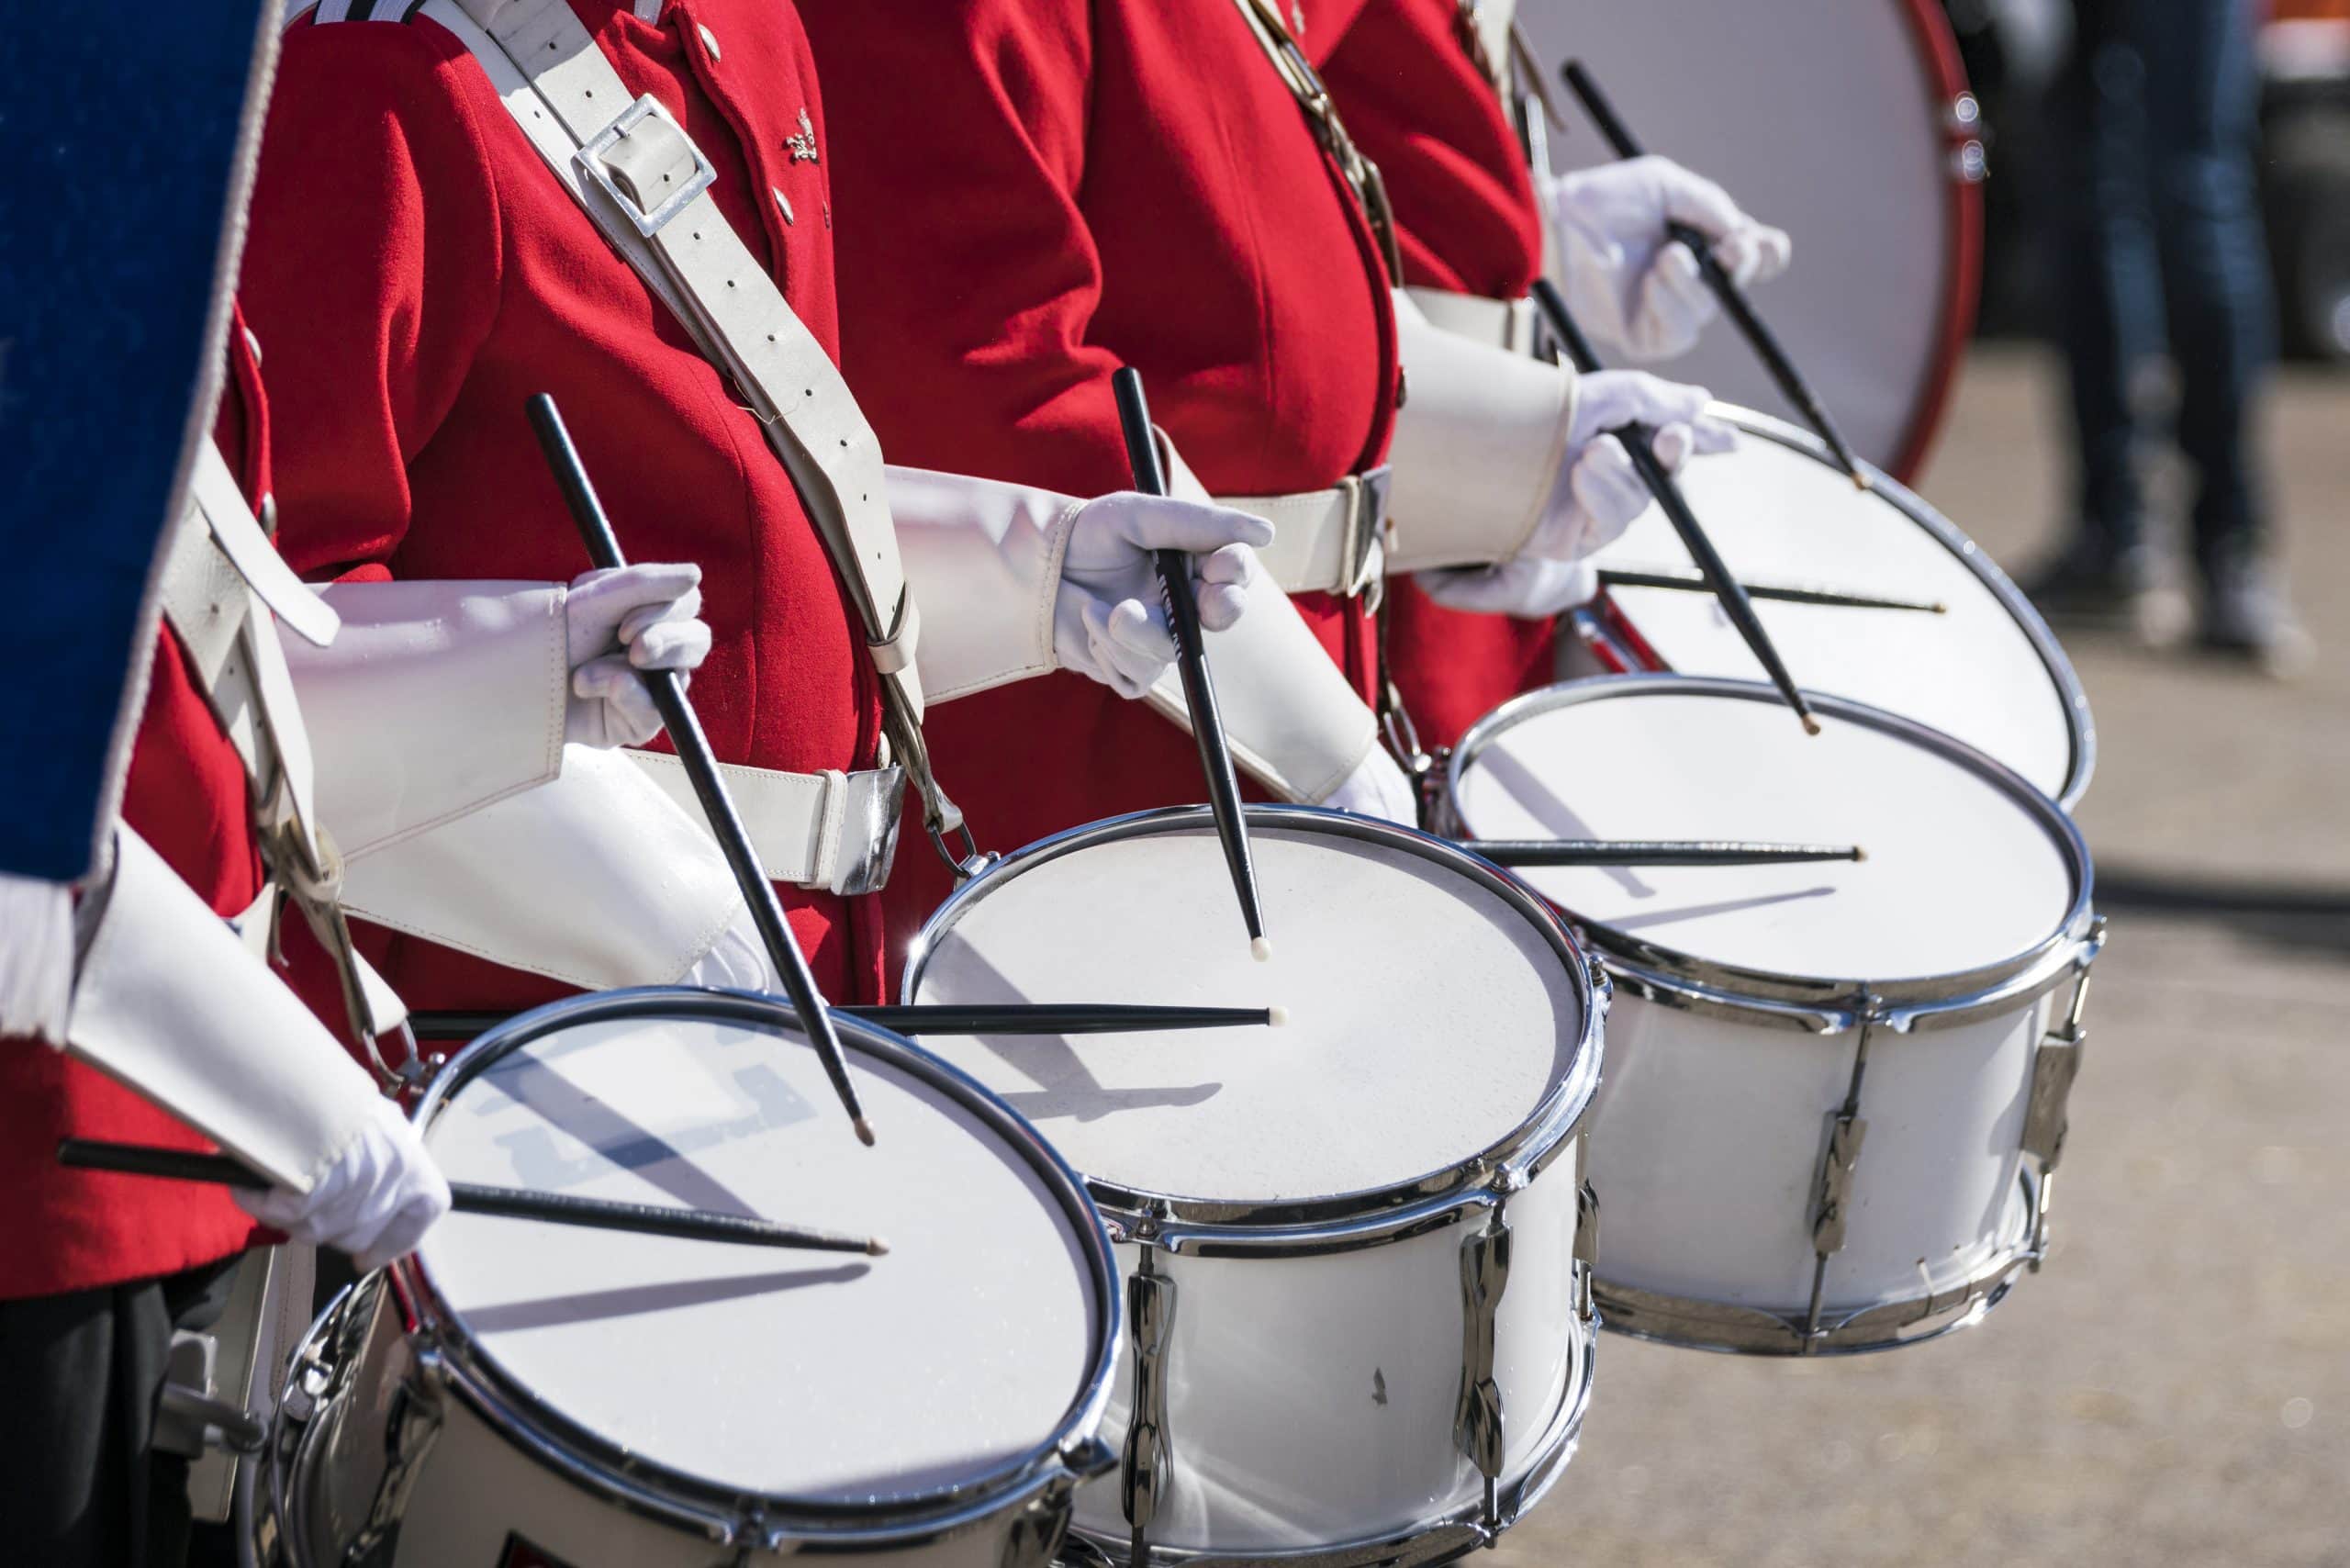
x=1324, y=541
x=1502, y=323
x=831, y=830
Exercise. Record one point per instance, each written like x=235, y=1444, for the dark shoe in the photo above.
x=2094, y=585
x=2246, y=616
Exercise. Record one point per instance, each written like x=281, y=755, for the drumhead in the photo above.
x=1844, y=124
x=1987, y=670
x=961, y=1357
x=1970, y=872
x=1435, y=1012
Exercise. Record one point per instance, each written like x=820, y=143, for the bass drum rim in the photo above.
x=545, y=1434
x=2072, y=697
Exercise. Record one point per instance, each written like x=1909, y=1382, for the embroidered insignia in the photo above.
x=803, y=147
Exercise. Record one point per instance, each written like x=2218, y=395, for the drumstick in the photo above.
x=1652, y=852
x=1638, y=442
x=1010, y=1018
x=1780, y=593
x=667, y=688
x=470, y=1197
x=1726, y=289
x=1191, y=659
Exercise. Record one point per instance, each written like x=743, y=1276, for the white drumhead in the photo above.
x=823, y=1376
x=1829, y=122
x=1428, y=1016
x=1960, y=876
x=1780, y=515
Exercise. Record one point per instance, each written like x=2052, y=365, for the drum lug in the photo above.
x=1150, y=1312
x=1832, y=1198
x=2053, y=1067
x=1477, y=1425
x=1586, y=1257
x=1603, y=986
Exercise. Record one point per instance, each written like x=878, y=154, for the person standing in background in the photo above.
x=2155, y=217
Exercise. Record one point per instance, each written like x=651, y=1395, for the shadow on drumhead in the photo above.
x=1701, y=911
x=630, y=1300
x=1560, y=820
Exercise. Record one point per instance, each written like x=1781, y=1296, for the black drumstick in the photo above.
x=1652, y=852
x=1639, y=445
x=668, y=691
x=1780, y=593
x=1192, y=660
x=1009, y=1018
x=1726, y=289
x=471, y=1197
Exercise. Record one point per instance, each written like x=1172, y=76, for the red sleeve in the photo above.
x=990, y=321
x=1418, y=107
x=371, y=277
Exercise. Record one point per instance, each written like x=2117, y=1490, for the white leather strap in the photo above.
x=637, y=173
x=1324, y=540
x=1496, y=323
x=831, y=830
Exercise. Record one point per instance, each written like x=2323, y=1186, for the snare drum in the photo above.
x=1987, y=670
x=1772, y=1018
x=521, y=1394
x=1358, y=1322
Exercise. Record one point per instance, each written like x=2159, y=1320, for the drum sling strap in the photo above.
x=645, y=185
x=224, y=590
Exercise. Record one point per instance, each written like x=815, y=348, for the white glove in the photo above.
x=35, y=958
x=1627, y=284
x=736, y=961
x=1377, y=788
x=376, y=1202
x=1524, y=586
x=1107, y=620
x=615, y=624
x=1599, y=492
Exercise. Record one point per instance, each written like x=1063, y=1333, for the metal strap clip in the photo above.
x=648, y=158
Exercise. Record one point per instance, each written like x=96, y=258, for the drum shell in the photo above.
x=1707, y=1146
x=1312, y=1399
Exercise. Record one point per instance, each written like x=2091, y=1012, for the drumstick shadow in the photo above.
x=1064, y=1085
x=567, y=1107
x=631, y=1301
x=1700, y=911
x=1557, y=817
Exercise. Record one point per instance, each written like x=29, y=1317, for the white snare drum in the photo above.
x=1770, y=1017
x=522, y=1395
x=1356, y=1301
x=1987, y=671
x=1850, y=127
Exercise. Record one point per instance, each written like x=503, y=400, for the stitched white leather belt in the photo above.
x=831, y=830
x=1324, y=541
x=1504, y=323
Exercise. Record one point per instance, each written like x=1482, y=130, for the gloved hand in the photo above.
x=615, y=624
x=736, y=961
x=1107, y=620
x=35, y=958
x=1524, y=586
x=1377, y=788
x=1627, y=284
x=376, y=1202
x=1599, y=492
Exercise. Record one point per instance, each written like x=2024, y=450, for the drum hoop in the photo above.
x=1340, y=1221
x=1695, y=1323
x=1438, y=1539
x=544, y=1432
x=2072, y=697
x=1665, y=974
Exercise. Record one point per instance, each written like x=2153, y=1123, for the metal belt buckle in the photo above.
x=1365, y=529
x=870, y=821
x=591, y=159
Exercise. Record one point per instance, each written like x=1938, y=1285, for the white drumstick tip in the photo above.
x=1277, y=1018
x=1261, y=948
x=875, y=1247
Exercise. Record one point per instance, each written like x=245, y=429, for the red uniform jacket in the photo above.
x=418, y=273
x=74, y=1231
x=1418, y=106
x=1032, y=193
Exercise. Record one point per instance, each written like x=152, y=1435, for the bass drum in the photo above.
x=1985, y=671
x=1829, y=121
